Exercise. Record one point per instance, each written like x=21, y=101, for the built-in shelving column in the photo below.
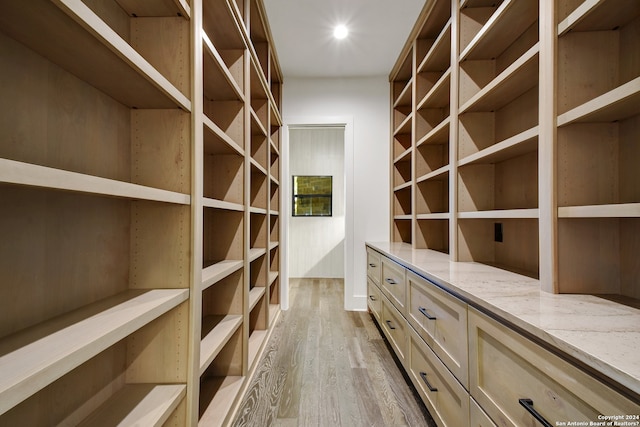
x=95, y=151
x=498, y=134
x=598, y=132
x=432, y=127
x=402, y=151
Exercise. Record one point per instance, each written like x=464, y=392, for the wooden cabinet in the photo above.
x=139, y=152
x=374, y=266
x=509, y=374
x=446, y=399
x=441, y=321
x=374, y=299
x=514, y=137
x=477, y=417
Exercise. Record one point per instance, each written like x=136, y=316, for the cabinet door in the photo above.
x=394, y=283
x=446, y=399
x=395, y=328
x=374, y=299
x=374, y=266
x=510, y=377
x=441, y=320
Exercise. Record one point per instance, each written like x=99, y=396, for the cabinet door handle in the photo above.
x=372, y=265
x=423, y=375
x=528, y=405
x=372, y=298
x=389, y=280
x=424, y=311
x=389, y=323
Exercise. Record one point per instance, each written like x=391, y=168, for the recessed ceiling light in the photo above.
x=340, y=32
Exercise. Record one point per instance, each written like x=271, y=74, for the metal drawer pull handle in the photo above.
x=423, y=375
x=528, y=405
x=424, y=311
x=372, y=298
x=389, y=323
x=372, y=265
x=389, y=280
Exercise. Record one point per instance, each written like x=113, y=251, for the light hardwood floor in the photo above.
x=328, y=367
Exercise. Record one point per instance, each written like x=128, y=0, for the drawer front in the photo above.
x=374, y=299
x=506, y=368
x=441, y=320
x=374, y=265
x=446, y=399
x=395, y=327
x=477, y=417
x=393, y=283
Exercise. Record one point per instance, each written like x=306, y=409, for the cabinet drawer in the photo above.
x=441, y=320
x=374, y=299
x=446, y=399
x=395, y=328
x=477, y=417
x=393, y=283
x=374, y=268
x=505, y=368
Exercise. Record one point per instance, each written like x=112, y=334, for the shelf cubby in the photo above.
x=222, y=308
x=223, y=174
x=221, y=383
x=274, y=260
x=259, y=100
x=402, y=169
x=430, y=157
x=260, y=148
x=433, y=233
x=258, y=231
x=125, y=60
x=401, y=84
x=135, y=323
x=275, y=139
x=223, y=234
x=258, y=187
x=432, y=195
x=597, y=163
x=433, y=42
x=275, y=196
x=517, y=251
x=401, y=231
x=402, y=201
x=599, y=256
x=274, y=227
x=504, y=185
x=258, y=273
x=259, y=39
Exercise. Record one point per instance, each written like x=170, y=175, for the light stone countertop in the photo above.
x=602, y=334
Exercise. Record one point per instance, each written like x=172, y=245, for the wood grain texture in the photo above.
x=326, y=366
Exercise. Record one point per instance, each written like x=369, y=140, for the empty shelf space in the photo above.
x=78, y=40
x=598, y=256
x=438, y=57
x=404, y=97
x=255, y=253
x=255, y=295
x=43, y=353
x=514, y=81
x=522, y=143
x=144, y=8
x=217, y=396
x=437, y=95
x=222, y=205
x=432, y=195
x=223, y=232
x=256, y=341
x=402, y=230
x=216, y=141
x=402, y=122
x=220, y=23
x=138, y=404
x=617, y=104
x=13, y=172
x=503, y=213
x=402, y=201
x=507, y=243
x=273, y=275
x=598, y=15
x=506, y=24
x=432, y=232
x=218, y=82
x=217, y=330
x=437, y=135
x=218, y=271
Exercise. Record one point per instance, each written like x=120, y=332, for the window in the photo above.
x=312, y=195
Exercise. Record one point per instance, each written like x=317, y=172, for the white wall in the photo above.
x=316, y=244
x=363, y=105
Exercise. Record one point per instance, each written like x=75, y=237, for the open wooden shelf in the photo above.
x=432, y=195
x=138, y=404
x=258, y=231
x=217, y=330
x=91, y=329
x=119, y=62
x=433, y=233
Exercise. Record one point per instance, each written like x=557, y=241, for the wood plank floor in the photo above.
x=328, y=367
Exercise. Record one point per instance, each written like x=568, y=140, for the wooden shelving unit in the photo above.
x=139, y=147
x=514, y=134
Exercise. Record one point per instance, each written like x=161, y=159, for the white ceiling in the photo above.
x=303, y=35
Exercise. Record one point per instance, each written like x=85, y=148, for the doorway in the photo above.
x=317, y=201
